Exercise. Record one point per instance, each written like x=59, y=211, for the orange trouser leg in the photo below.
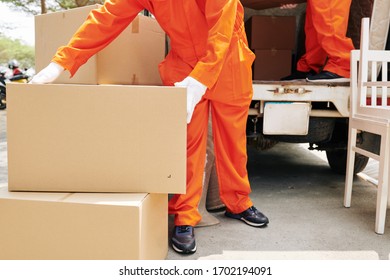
x=229, y=133
x=314, y=57
x=185, y=206
x=330, y=21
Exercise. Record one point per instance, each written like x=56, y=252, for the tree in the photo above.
x=36, y=7
x=15, y=49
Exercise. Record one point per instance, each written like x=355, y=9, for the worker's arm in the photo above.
x=102, y=26
x=221, y=17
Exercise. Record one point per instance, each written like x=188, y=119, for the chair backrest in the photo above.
x=369, y=96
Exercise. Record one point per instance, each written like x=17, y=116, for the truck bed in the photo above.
x=335, y=96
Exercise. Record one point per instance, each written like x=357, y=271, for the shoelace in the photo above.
x=184, y=229
x=253, y=210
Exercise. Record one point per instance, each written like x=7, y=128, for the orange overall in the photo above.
x=208, y=43
x=326, y=42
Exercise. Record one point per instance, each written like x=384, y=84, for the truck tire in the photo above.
x=337, y=160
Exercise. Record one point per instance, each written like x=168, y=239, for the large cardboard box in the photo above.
x=83, y=226
x=271, y=32
x=266, y=4
x=132, y=58
x=96, y=138
x=271, y=65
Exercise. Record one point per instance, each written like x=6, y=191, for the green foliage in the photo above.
x=36, y=7
x=27, y=6
x=15, y=49
x=70, y=4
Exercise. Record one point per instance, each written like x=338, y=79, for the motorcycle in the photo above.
x=3, y=102
x=19, y=78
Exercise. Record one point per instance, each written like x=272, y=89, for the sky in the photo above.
x=22, y=25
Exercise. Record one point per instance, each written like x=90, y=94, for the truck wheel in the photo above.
x=337, y=160
x=337, y=157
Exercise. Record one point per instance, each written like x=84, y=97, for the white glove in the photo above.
x=195, y=91
x=47, y=75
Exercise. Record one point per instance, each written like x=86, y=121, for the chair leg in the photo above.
x=350, y=166
x=387, y=161
x=388, y=185
x=383, y=185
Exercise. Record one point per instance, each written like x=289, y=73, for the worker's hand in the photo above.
x=48, y=74
x=195, y=91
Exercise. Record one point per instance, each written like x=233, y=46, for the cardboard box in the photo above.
x=96, y=138
x=266, y=4
x=132, y=58
x=271, y=32
x=271, y=65
x=83, y=226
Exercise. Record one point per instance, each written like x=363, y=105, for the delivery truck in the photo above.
x=314, y=113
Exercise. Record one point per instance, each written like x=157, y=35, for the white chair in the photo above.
x=370, y=112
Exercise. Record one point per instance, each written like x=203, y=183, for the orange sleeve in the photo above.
x=221, y=17
x=101, y=27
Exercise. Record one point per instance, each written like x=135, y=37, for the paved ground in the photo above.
x=302, y=197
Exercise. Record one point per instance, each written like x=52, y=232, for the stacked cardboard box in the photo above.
x=96, y=138
x=90, y=166
x=272, y=39
x=82, y=226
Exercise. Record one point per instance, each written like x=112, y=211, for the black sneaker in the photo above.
x=183, y=240
x=297, y=75
x=326, y=77
x=251, y=216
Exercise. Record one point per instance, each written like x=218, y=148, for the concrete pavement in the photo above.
x=303, y=199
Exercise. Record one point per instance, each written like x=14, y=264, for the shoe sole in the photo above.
x=252, y=223
x=292, y=80
x=184, y=251
x=230, y=215
x=338, y=80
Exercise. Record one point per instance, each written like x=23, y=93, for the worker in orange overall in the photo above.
x=209, y=56
x=327, y=57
